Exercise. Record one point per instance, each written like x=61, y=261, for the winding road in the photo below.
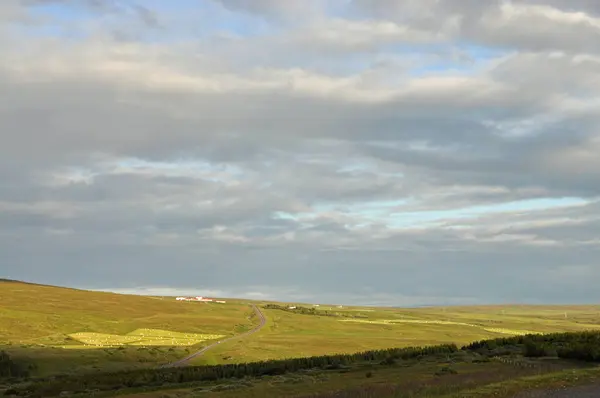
x=196, y=354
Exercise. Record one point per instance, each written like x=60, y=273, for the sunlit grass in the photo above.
x=143, y=337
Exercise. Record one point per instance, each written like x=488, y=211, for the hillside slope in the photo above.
x=44, y=314
x=38, y=325
x=54, y=328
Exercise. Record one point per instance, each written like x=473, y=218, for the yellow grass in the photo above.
x=513, y=332
x=143, y=337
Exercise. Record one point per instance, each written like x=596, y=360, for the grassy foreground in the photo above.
x=498, y=368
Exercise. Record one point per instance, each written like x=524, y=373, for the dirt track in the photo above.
x=196, y=354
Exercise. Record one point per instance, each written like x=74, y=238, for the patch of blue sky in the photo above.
x=339, y=9
x=214, y=18
x=56, y=20
x=370, y=209
x=410, y=219
x=60, y=11
x=283, y=215
x=354, y=167
x=80, y=175
x=180, y=20
x=362, y=208
x=386, y=211
x=458, y=59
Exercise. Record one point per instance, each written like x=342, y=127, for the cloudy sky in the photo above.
x=401, y=152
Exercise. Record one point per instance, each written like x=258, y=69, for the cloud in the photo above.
x=438, y=153
x=273, y=8
x=144, y=14
x=529, y=25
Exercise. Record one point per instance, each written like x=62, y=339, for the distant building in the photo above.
x=293, y=307
x=198, y=298
x=205, y=299
x=220, y=301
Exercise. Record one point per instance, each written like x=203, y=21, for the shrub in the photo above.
x=446, y=370
x=9, y=368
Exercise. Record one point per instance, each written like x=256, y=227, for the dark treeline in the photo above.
x=300, y=310
x=50, y=387
x=311, y=311
x=8, y=368
x=584, y=346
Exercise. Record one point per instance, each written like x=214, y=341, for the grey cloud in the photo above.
x=393, y=272
x=288, y=9
x=533, y=25
x=144, y=14
x=587, y=6
x=293, y=160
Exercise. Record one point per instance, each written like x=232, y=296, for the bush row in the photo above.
x=156, y=377
x=311, y=311
x=584, y=346
x=8, y=368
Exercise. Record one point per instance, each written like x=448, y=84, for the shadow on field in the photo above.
x=428, y=370
x=40, y=361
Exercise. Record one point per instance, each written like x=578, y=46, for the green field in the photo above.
x=288, y=334
x=67, y=331
x=490, y=368
x=55, y=328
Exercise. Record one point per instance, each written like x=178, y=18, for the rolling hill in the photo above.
x=57, y=329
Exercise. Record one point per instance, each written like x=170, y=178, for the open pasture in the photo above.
x=52, y=327
x=40, y=321
x=289, y=334
x=37, y=314
x=512, y=332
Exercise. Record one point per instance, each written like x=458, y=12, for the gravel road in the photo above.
x=196, y=354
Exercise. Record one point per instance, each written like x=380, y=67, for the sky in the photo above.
x=377, y=152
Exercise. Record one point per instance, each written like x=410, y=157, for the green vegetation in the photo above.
x=101, y=341
x=434, y=371
x=289, y=334
x=8, y=368
x=435, y=322
x=583, y=346
x=47, y=328
x=536, y=383
x=311, y=311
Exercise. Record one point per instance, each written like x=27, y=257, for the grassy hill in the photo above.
x=45, y=314
x=38, y=323
x=61, y=329
x=55, y=330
